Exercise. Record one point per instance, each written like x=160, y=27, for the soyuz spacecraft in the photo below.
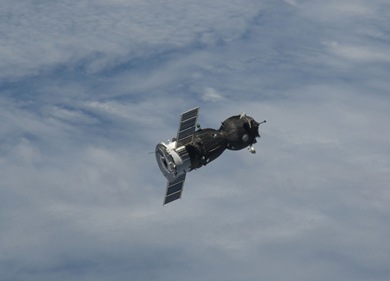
x=194, y=147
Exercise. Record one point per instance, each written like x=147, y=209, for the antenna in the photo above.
x=252, y=149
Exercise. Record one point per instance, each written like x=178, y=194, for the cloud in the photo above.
x=291, y=2
x=67, y=33
x=212, y=95
x=360, y=54
x=88, y=88
x=345, y=8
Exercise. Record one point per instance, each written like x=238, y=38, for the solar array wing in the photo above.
x=174, y=189
x=187, y=125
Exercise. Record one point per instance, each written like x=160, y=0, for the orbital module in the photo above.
x=193, y=148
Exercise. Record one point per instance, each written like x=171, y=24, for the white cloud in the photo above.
x=81, y=198
x=42, y=35
x=211, y=94
x=338, y=9
x=291, y=2
x=360, y=54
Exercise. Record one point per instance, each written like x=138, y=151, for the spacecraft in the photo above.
x=194, y=147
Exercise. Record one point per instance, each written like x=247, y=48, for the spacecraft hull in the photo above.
x=193, y=149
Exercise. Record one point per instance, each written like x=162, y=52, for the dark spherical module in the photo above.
x=240, y=131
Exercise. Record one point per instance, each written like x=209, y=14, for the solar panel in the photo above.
x=174, y=189
x=190, y=113
x=187, y=125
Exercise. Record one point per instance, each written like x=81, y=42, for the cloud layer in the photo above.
x=87, y=89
